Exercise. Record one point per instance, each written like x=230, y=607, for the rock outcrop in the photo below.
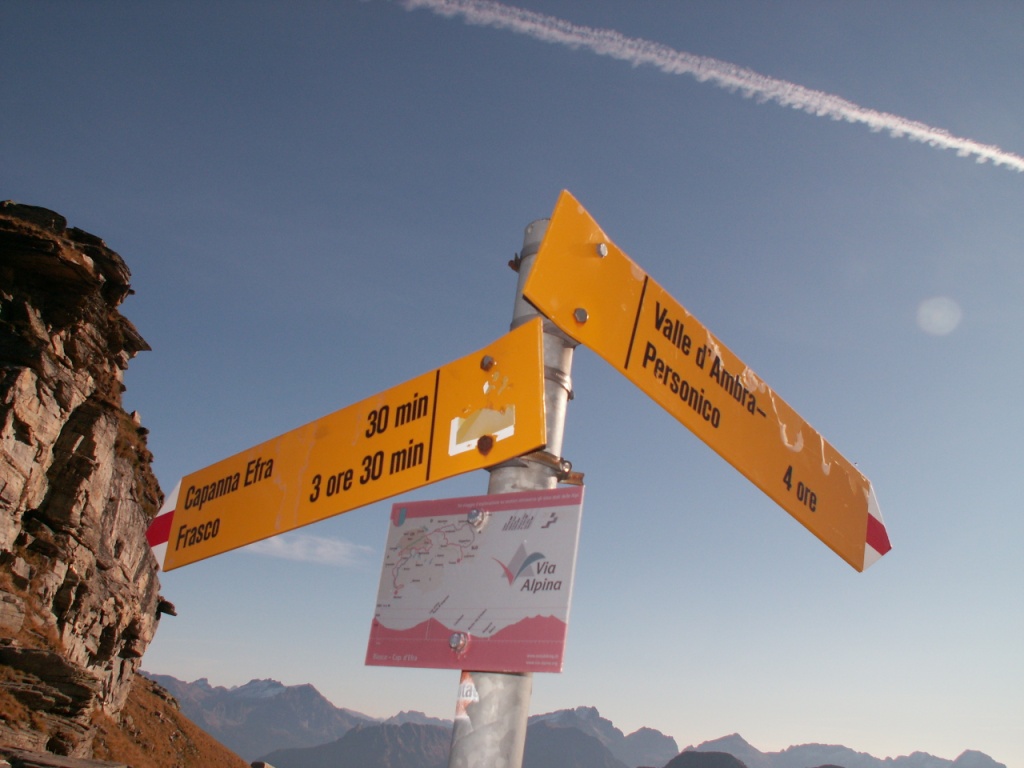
x=78, y=583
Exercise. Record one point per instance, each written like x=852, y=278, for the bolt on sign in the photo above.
x=595, y=293
x=472, y=413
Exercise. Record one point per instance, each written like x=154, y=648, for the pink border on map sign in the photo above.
x=532, y=644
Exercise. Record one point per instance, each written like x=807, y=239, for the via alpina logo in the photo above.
x=519, y=563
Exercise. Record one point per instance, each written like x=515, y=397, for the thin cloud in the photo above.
x=304, y=548
x=606, y=42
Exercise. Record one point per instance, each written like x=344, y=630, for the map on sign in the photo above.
x=472, y=413
x=481, y=582
x=595, y=293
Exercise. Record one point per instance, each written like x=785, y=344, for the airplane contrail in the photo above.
x=636, y=51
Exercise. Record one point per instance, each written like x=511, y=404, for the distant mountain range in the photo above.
x=646, y=747
x=806, y=755
x=383, y=745
x=296, y=727
x=575, y=738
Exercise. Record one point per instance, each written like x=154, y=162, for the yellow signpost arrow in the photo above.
x=595, y=293
x=472, y=413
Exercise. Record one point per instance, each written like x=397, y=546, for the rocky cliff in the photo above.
x=78, y=583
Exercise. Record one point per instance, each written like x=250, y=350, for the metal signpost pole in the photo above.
x=491, y=717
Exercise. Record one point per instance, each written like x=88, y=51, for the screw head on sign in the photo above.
x=475, y=517
x=458, y=641
x=581, y=315
x=487, y=362
x=602, y=249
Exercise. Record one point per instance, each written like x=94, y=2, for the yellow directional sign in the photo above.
x=595, y=293
x=474, y=412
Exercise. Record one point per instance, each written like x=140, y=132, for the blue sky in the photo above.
x=317, y=202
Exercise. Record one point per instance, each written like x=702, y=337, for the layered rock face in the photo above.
x=78, y=583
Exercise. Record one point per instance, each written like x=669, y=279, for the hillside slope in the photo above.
x=152, y=732
x=263, y=715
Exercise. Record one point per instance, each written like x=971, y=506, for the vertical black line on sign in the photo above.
x=636, y=321
x=433, y=422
